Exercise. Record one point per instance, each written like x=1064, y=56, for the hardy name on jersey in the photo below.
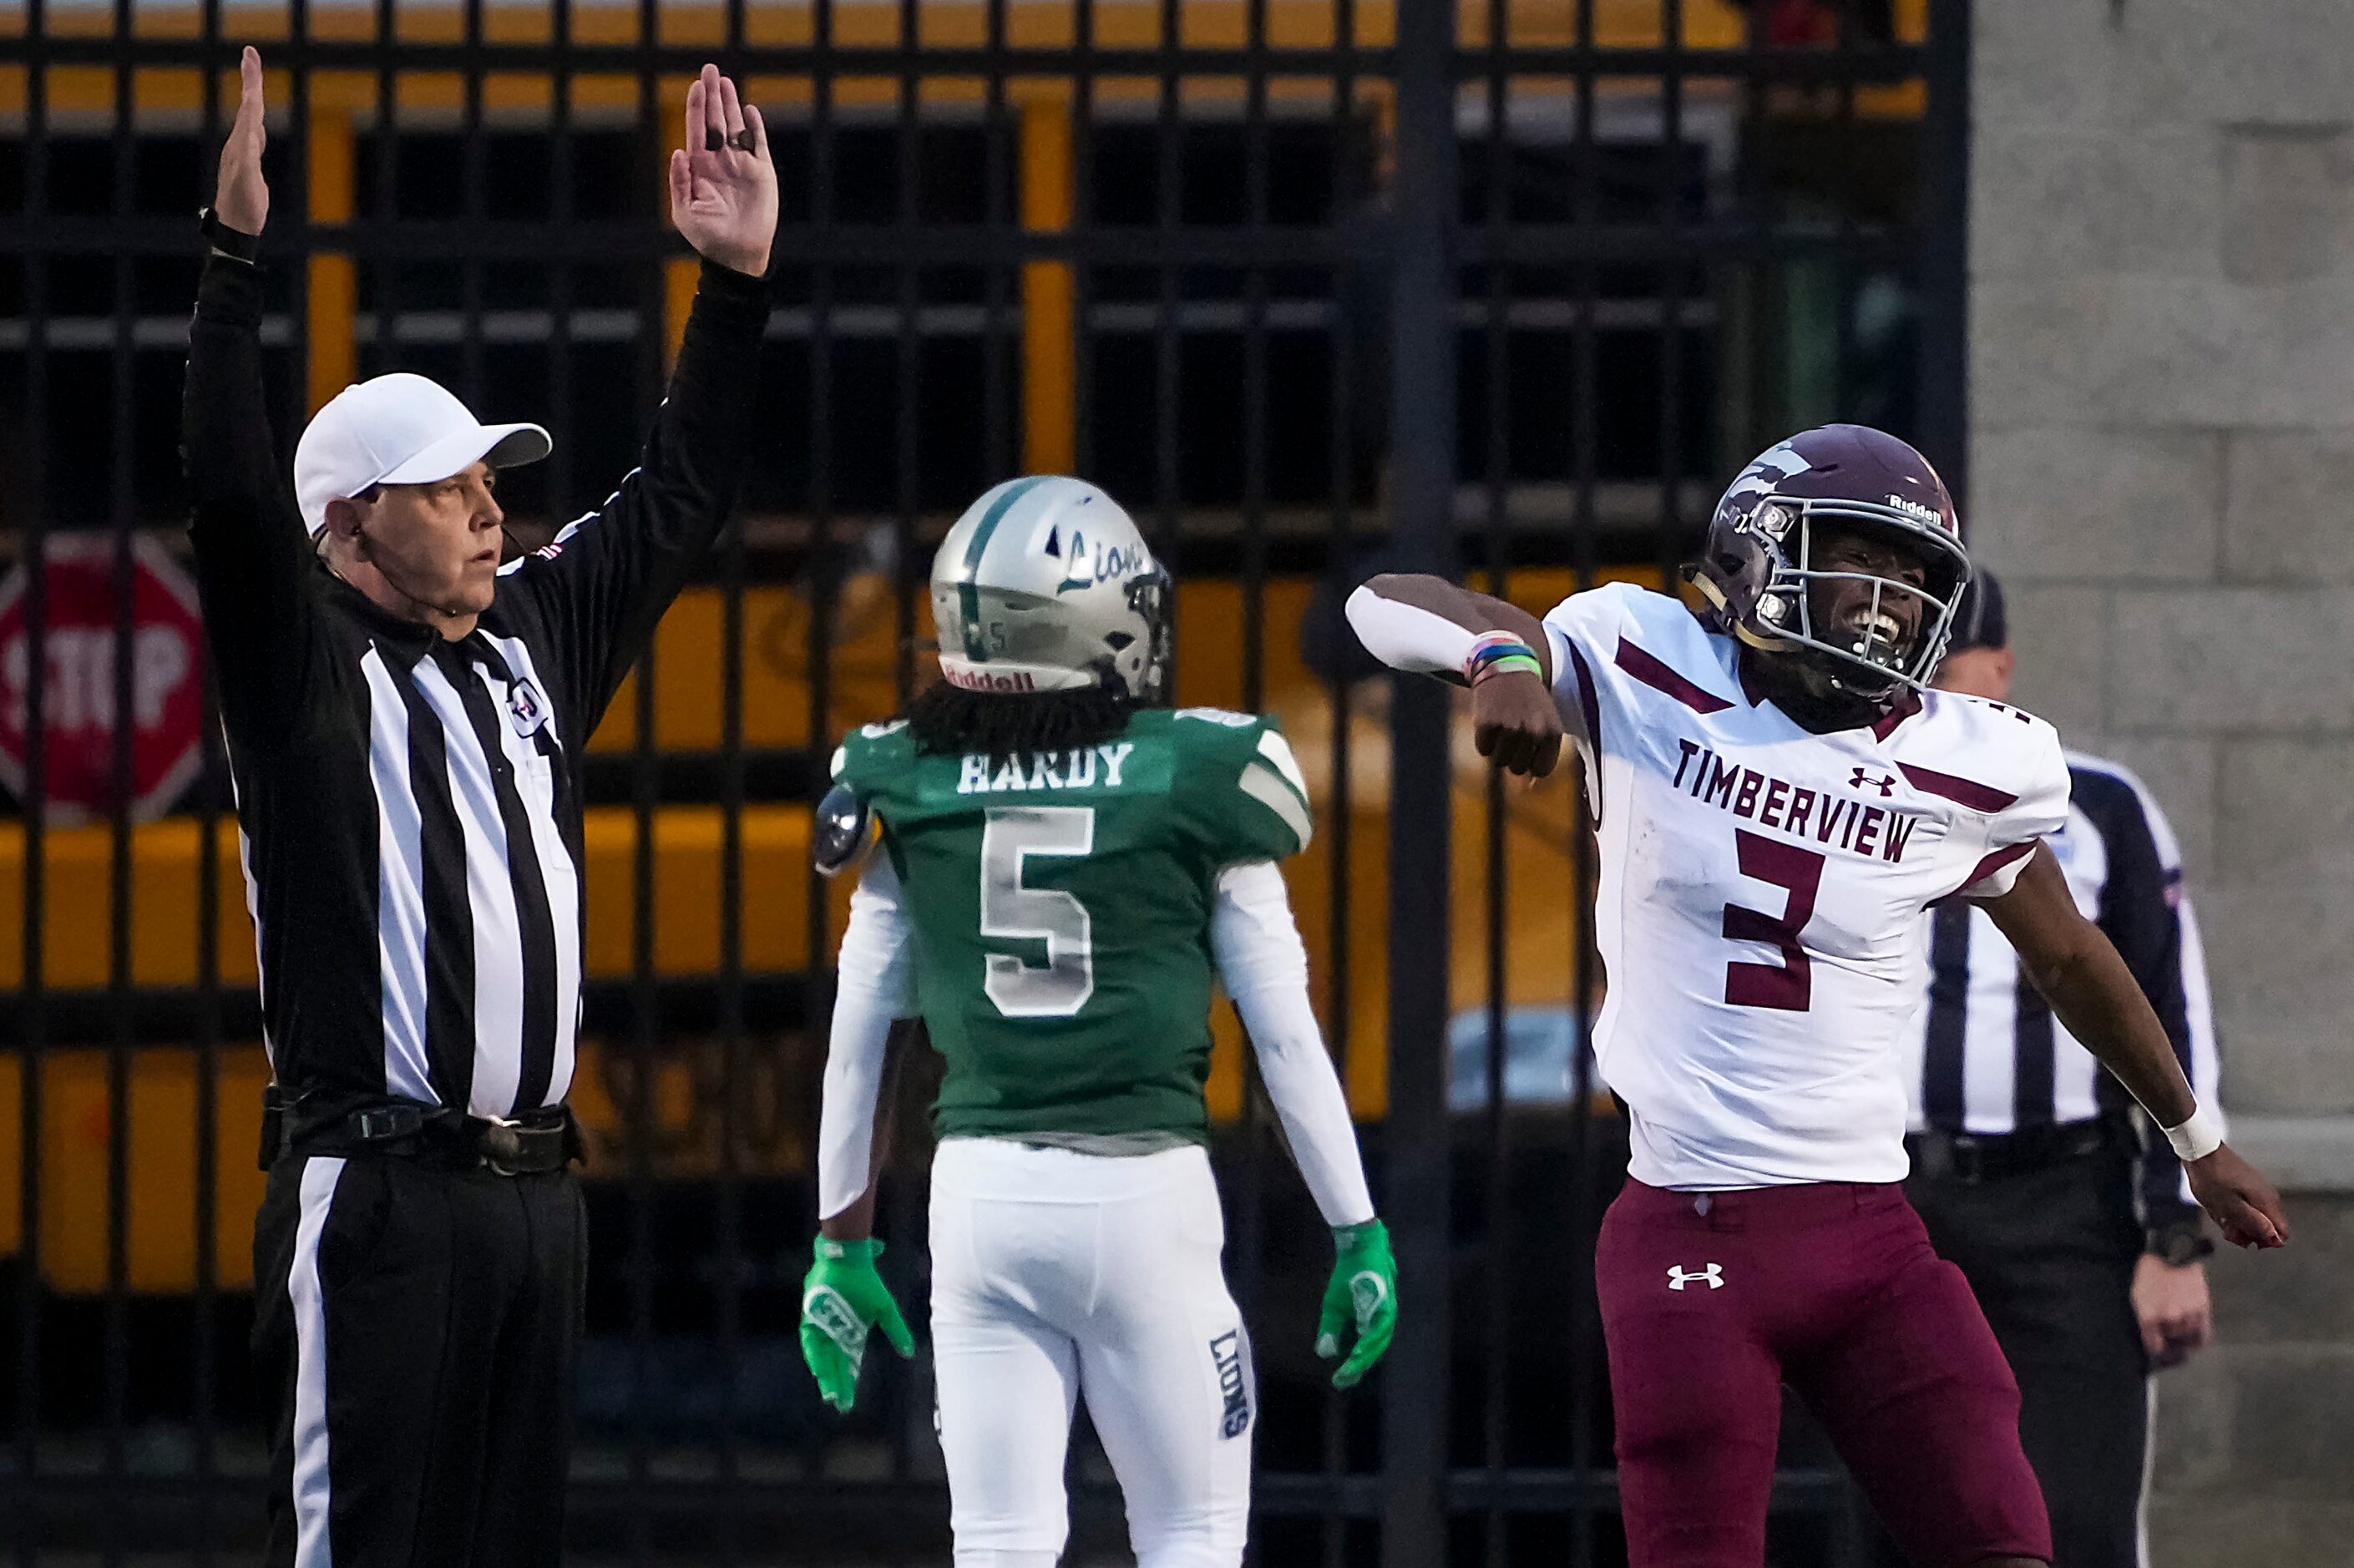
x=978, y=774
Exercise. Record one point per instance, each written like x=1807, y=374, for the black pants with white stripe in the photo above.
x=419, y=1322
x=2051, y=1257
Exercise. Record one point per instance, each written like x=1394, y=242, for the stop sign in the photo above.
x=78, y=665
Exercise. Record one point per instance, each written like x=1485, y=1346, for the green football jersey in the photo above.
x=1061, y=911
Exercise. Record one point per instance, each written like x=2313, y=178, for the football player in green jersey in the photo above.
x=1065, y=865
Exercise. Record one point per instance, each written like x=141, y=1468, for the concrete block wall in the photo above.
x=2162, y=467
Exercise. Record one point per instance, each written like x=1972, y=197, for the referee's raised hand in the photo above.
x=241, y=200
x=723, y=184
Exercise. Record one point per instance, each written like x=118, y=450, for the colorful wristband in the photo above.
x=1499, y=651
x=1503, y=663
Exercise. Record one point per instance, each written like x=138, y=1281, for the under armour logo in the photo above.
x=1885, y=782
x=1712, y=1276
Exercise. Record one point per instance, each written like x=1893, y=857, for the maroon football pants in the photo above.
x=1711, y=1302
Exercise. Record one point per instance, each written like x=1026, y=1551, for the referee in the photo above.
x=405, y=720
x=2030, y=1167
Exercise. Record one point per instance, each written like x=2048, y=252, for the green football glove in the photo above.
x=1363, y=1292
x=842, y=1299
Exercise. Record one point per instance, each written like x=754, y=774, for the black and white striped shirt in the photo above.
x=1990, y=1058
x=409, y=808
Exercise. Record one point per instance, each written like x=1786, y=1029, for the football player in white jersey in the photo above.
x=1779, y=797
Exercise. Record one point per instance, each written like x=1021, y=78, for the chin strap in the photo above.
x=1741, y=630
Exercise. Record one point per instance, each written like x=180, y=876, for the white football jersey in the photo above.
x=1762, y=887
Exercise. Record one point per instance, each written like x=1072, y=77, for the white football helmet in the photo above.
x=1046, y=585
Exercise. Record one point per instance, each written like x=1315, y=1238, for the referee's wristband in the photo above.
x=2179, y=1244
x=2197, y=1137
x=233, y=243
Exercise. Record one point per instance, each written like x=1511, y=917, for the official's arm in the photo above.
x=2142, y=912
x=607, y=579
x=253, y=558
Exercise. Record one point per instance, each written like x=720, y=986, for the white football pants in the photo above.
x=1056, y=1274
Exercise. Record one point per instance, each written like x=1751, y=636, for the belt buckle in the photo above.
x=384, y=1122
x=1967, y=1155
x=500, y=1146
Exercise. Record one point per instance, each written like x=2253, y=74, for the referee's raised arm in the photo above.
x=253, y=561
x=605, y=582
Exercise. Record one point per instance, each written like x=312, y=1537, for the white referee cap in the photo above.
x=398, y=429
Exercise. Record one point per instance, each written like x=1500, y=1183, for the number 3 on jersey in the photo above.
x=1013, y=913
x=1788, y=986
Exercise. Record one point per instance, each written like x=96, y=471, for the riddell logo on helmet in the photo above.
x=982, y=681
x=1928, y=514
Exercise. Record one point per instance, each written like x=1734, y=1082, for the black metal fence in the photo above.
x=1314, y=286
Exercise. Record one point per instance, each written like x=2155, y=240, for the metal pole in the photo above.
x=1945, y=247
x=1422, y=497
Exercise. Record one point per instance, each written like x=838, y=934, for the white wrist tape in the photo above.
x=2198, y=1137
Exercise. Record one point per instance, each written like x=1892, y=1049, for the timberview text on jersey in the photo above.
x=1823, y=816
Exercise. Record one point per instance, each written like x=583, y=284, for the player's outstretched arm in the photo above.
x=1429, y=626
x=1264, y=966
x=2071, y=962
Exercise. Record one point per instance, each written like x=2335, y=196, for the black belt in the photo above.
x=532, y=1145
x=1971, y=1157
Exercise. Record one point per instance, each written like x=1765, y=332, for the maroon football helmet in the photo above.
x=1756, y=567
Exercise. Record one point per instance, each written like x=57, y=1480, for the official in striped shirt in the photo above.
x=406, y=719
x=2030, y=1166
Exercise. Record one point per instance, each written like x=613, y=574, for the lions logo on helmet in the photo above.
x=1045, y=585
x=1756, y=566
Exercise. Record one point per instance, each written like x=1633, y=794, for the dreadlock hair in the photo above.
x=1015, y=726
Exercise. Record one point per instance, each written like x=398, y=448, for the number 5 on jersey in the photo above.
x=1013, y=913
